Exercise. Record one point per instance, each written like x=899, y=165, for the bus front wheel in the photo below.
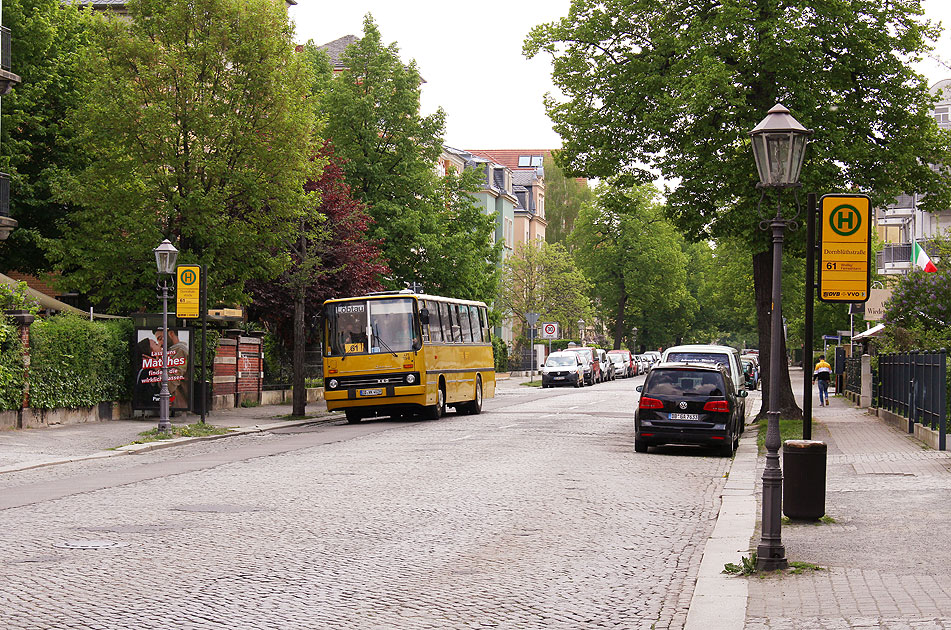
x=435, y=412
x=353, y=416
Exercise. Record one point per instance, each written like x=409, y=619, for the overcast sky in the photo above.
x=470, y=54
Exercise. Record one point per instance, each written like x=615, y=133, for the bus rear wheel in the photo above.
x=353, y=416
x=474, y=406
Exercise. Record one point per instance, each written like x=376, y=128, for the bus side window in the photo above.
x=424, y=328
x=454, y=318
x=484, y=321
x=435, y=328
x=465, y=323
x=446, y=324
x=476, y=327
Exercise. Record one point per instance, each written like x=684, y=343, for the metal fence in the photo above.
x=853, y=375
x=914, y=385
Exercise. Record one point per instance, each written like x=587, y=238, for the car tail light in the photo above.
x=719, y=406
x=650, y=403
x=717, y=437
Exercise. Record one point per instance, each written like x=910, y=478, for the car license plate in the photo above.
x=559, y=378
x=371, y=392
x=685, y=416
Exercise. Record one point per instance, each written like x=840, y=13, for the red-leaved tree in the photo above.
x=332, y=257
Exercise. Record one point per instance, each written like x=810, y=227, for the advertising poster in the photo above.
x=147, y=363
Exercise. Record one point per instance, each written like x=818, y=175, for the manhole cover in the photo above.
x=218, y=508
x=91, y=544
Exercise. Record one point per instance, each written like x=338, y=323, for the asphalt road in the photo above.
x=535, y=514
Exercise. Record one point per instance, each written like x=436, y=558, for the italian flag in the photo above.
x=921, y=259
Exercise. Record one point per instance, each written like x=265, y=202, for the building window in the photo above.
x=525, y=161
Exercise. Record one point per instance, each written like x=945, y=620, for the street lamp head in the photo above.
x=165, y=257
x=779, y=147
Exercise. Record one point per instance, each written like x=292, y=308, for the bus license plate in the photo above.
x=371, y=392
x=685, y=416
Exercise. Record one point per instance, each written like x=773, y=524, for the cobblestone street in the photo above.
x=535, y=514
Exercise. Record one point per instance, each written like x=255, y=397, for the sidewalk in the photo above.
x=24, y=449
x=884, y=559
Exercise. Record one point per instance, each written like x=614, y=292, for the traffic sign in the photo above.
x=532, y=318
x=188, y=291
x=549, y=330
x=845, y=236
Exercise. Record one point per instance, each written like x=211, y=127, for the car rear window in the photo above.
x=684, y=383
x=700, y=357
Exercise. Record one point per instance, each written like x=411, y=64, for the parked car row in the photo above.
x=580, y=366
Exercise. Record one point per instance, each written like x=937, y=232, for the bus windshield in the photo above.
x=371, y=326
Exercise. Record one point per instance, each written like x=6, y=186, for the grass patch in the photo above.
x=828, y=520
x=789, y=429
x=532, y=384
x=825, y=520
x=250, y=403
x=797, y=568
x=182, y=430
x=747, y=566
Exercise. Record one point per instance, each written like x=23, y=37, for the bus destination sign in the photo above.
x=845, y=235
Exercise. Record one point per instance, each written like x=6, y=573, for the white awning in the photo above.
x=874, y=331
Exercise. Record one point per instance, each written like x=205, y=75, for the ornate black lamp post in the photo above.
x=165, y=258
x=581, y=330
x=779, y=146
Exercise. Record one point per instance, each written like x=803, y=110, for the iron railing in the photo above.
x=893, y=253
x=853, y=375
x=914, y=385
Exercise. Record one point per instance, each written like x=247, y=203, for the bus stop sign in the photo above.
x=845, y=236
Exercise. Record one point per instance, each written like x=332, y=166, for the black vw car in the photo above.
x=688, y=403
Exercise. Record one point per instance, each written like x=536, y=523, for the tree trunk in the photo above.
x=763, y=287
x=300, y=393
x=619, y=324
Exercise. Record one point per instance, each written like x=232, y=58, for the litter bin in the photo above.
x=804, y=479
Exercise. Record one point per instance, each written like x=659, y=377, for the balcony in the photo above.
x=895, y=258
x=7, y=78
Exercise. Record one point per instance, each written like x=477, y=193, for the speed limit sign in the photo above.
x=549, y=330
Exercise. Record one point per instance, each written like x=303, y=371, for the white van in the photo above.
x=724, y=355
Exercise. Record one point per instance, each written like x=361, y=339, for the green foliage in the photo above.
x=372, y=116
x=212, y=337
x=190, y=430
x=564, y=198
x=35, y=146
x=543, y=278
x=11, y=366
x=500, y=352
x=918, y=315
x=278, y=363
x=216, y=163
x=17, y=298
x=77, y=363
x=636, y=264
x=667, y=85
x=789, y=429
x=747, y=566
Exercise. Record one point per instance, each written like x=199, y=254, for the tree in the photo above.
x=542, y=278
x=634, y=259
x=564, y=197
x=331, y=257
x=197, y=124
x=372, y=115
x=35, y=145
x=677, y=86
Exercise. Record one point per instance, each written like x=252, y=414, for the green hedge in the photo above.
x=11, y=366
x=500, y=351
x=78, y=363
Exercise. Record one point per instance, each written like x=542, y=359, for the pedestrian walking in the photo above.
x=821, y=376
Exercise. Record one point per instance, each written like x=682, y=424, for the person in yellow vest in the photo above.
x=821, y=375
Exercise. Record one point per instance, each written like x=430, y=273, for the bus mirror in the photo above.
x=424, y=316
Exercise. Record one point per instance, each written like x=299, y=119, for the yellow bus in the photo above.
x=398, y=353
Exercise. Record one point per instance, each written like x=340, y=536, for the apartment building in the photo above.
x=7, y=81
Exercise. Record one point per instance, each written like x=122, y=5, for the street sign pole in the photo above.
x=808, y=323
x=532, y=319
x=204, y=343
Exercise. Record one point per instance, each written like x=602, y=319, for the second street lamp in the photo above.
x=165, y=258
x=779, y=146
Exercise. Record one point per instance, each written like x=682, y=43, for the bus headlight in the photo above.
x=410, y=379
x=332, y=383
